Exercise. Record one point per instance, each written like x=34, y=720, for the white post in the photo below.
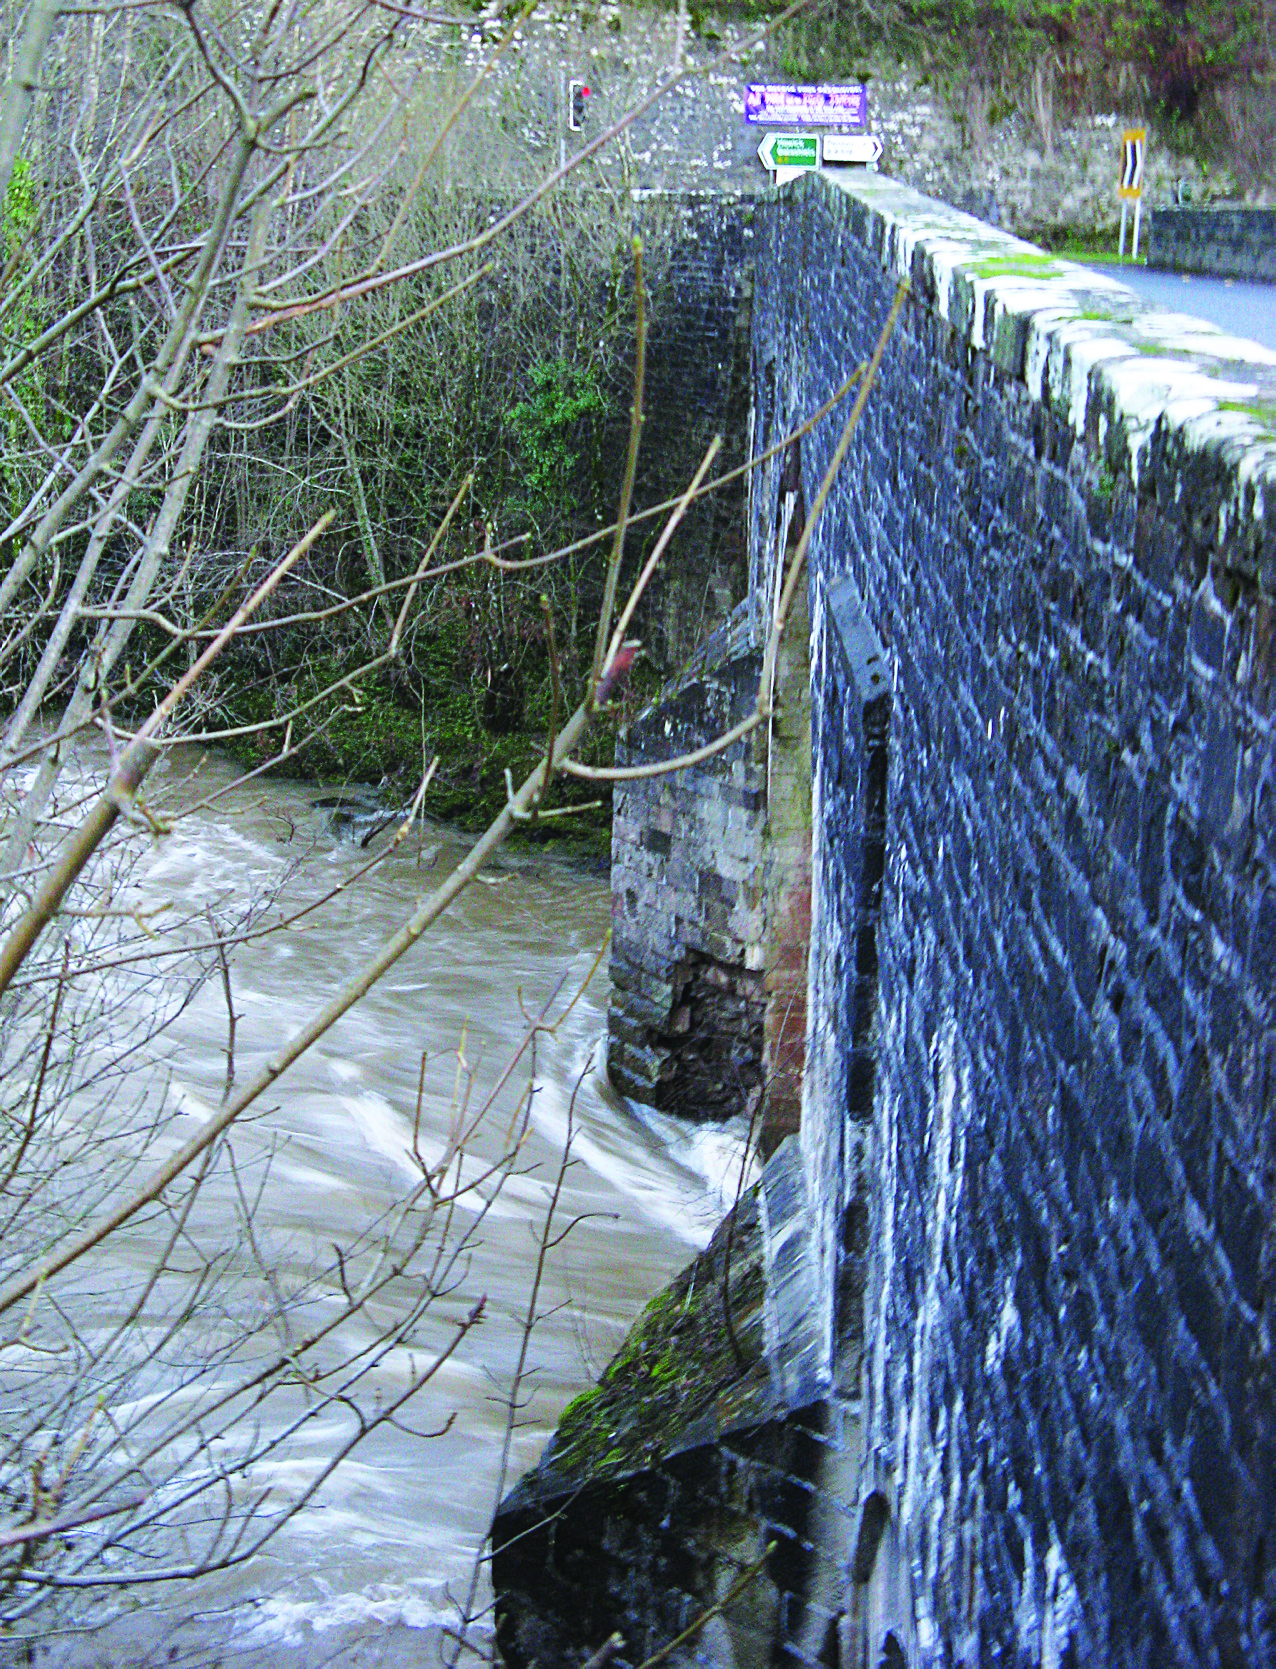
x=1138, y=213
x=1124, y=210
x=565, y=90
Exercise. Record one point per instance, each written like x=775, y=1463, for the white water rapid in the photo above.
x=369, y=1573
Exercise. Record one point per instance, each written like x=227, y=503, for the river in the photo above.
x=371, y=1572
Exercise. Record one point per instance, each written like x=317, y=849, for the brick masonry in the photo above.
x=1219, y=242
x=1020, y=1255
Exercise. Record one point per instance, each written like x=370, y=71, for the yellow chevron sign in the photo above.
x=1133, y=141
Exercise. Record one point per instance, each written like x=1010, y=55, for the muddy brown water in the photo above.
x=369, y=1573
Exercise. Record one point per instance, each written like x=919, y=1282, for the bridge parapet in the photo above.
x=1223, y=241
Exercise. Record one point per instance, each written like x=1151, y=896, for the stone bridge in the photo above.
x=980, y=932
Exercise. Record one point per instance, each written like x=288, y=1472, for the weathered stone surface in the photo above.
x=704, y=1445
x=578, y=1551
x=686, y=1024
x=699, y=249
x=1220, y=242
x=1061, y=525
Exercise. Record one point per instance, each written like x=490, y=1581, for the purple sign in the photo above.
x=824, y=106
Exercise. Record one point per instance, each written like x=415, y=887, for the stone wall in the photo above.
x=697, y=1490
x=699, y=255
x=1059, y=525
x=1219, y=242
x=698, y=274
x=1020, y=1255
x=686, y=1024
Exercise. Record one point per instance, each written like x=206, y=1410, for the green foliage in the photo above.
x=23, y=325
x=1174, y=52
x=557, y=430
x=19, y=205
x=384, y=727
x=388, y=440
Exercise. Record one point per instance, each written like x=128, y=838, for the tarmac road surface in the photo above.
x=1231, y=304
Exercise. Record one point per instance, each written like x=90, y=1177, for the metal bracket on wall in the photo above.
x=866, y=660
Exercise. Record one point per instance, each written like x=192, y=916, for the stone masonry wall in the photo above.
x=701, y=1012
x=698, y=276
x=1059, y=523
x=686, y=1023
x=1220, y=242
x=1016, y=1269
x=699, y=255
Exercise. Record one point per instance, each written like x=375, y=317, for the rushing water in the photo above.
x=368, y=1573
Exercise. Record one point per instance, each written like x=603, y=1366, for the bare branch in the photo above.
x=121, y=791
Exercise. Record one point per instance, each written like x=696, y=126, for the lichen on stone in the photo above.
x=692, y=1363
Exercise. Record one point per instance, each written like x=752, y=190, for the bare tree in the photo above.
x=198, y=205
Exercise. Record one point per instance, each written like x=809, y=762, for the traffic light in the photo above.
x=577, y=93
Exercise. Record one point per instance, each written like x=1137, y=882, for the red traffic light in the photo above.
x=577, y=93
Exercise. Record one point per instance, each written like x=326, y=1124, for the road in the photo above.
x=1243, y=309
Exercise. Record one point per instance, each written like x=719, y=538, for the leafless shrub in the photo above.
x=1247, y=110
x=212, y=195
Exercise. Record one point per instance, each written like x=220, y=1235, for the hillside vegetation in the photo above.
x=1202, y=70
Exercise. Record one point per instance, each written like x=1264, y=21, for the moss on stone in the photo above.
x=1028, y=265
x=692, y=1360
x=1263, y=412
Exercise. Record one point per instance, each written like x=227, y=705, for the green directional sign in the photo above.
x=790, y=150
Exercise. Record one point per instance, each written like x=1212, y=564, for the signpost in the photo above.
x=1130, y=190
x=782, y=105
x=789, y=154
x=864, y=148
x=819, y=106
